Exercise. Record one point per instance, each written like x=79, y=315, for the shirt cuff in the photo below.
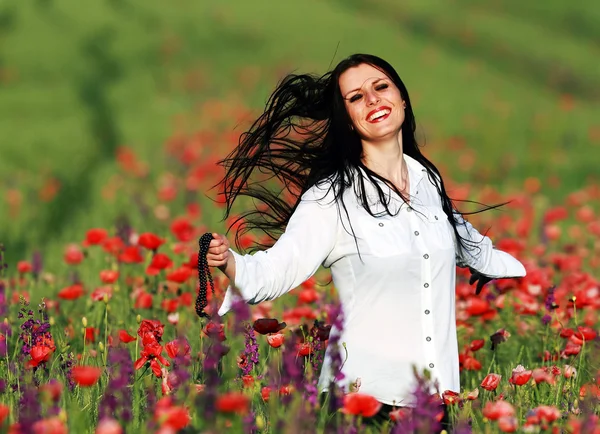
x=503, y=266
x=230, y=296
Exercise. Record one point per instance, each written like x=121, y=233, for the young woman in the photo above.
x=370, y=207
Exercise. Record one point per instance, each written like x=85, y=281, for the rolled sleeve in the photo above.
x=308, y=240
x=481, y=255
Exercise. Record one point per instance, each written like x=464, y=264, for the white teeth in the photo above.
x=378, y=114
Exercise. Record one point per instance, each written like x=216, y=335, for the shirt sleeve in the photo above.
x=309, y=238
x=481, y=255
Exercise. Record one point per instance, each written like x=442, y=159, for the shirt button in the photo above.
x=431, y=365
x=426, y=285
x=427, y=312
x=409, y=209
x=428, y=339
x=426, y=256
x=380, y=225
x=417, y=233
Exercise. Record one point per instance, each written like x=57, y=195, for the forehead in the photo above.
x=357, y=76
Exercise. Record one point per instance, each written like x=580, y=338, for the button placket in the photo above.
x=428, y=323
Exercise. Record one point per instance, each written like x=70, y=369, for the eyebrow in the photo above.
x=354, y=90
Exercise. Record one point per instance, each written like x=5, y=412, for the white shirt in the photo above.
x=399, y=301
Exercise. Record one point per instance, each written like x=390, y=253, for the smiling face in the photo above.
x=373, y=102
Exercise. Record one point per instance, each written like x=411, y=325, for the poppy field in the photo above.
x=112, y=130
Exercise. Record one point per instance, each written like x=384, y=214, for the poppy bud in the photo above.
x=84, y=321
x=105, y=298
x=138, y=318
x=101, y=347
x=51, y=320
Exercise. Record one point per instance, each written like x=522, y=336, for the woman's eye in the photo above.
x=382, y=87
x=355, y=97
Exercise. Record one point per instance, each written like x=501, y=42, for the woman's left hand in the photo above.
x=481, y=280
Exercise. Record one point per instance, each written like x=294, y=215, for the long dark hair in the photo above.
x=304, y=136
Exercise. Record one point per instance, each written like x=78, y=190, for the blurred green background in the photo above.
x=503, y=91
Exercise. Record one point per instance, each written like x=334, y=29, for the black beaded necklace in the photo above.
x=203, y=274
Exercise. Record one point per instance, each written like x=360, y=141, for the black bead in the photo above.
x=203, y=275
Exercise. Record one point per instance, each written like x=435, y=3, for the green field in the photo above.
x=519, y=82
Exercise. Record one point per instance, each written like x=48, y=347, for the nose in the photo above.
x=372, y=98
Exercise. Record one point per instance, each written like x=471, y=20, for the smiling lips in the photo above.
x=379, y=114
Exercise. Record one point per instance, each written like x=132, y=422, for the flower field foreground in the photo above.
x=110, y=342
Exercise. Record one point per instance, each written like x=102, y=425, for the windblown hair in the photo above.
x=305, y=136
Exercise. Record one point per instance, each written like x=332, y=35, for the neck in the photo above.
x=386, y=159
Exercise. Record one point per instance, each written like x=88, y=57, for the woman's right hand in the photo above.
x=219, y=256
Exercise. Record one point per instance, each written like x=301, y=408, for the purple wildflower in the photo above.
x=241, y=312
x=423, y=417
x=66, y=366
x=250, y=353
x=29, y=407
x=214, y=351
x=117, y=399
x=36, y=263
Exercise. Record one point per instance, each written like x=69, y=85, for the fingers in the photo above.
x=218, y=251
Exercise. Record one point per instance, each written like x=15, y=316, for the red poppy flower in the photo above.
x=180, y=275
x=476, y=306
x=520, y=376
x=96, y=236
x=150, y=241
x=90, y=334
x=4, y=412
x=303, y=349
x=53, y=425
x=233, y=402
x=178, y=348
x=450, y=397
x=585, y=333
x=99, y=293
x=143, y=301
x=109, y=426
x=295, y=315
x=471, y=364
x=131, y=255
x=571, y=349
x=540, y=375
x=152, y=326
x=160, y=261
x=309, y=295
x=476, y=345
x=182, y=229
x=23, y=267
x=361, y=404
x=169, y=415
x=152, y=353
x=247, y=380
x=268, y=325
x=86, y=376
x=491, y=381
x=125, y=337
x=73, y=254
x=52, y=389
x=186, y=298
x=40, y=354
x=275, y=340
x=508, y=424
x=213, y=329
x=113, y=245
x=170, y=305
x=265, y=393
x=109, y=276
x=71, y=292
x=494, y=410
